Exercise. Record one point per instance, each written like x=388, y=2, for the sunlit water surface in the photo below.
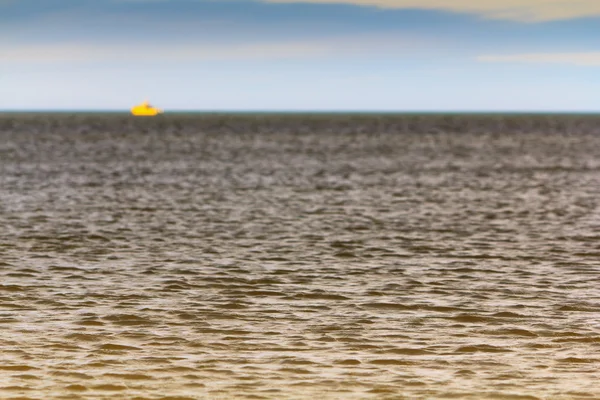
x=298, y=257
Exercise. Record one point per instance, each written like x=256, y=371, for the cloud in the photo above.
x=52, y=53
x=581, y=59
x=516, y=10
x=92, y=52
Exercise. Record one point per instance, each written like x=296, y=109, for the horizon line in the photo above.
x=307, y=111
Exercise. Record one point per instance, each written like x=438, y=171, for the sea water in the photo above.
x=201, y=256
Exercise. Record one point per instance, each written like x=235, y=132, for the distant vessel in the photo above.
x=145, y=110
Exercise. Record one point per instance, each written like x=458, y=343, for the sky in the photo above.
x=301, y=55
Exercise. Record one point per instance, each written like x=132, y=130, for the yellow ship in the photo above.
x=145, y=110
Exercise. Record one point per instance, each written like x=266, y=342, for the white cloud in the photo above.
x=517, y=10
x=82, y=52
x=95, y=53
x=582, y=59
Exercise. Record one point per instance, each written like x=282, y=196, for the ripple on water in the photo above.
x=276, y=257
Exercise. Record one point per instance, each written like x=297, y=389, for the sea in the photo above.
x=299, y=256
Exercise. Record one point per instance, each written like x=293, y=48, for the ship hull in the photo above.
x=145, y=112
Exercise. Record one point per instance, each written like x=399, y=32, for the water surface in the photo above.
x=296, y=257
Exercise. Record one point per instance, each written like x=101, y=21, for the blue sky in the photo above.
x=338, y=55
